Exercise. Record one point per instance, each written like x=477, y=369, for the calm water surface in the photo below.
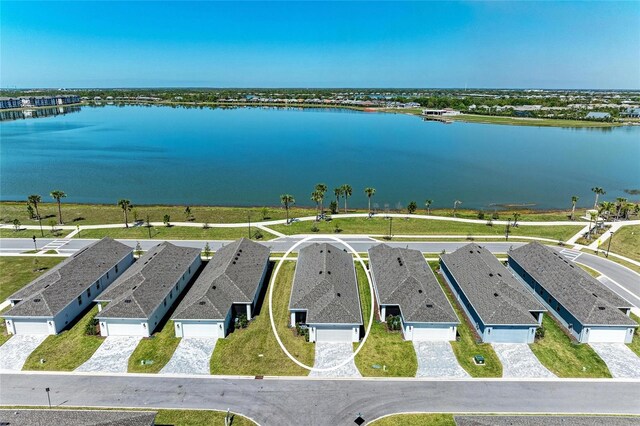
x=250, y=156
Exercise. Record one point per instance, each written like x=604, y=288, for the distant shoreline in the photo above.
x=465, y=118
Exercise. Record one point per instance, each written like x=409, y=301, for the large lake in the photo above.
x=249, y=156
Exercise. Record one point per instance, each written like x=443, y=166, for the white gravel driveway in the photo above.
x=112, y=356
x=17, y=349
x=518, y=361
x=436, y=359
x=621, y=360
x=330, y=354
x=192, y=356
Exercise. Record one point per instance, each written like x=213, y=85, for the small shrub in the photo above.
x=315, y=228
x=242, y=321
x=394, y=323
x=481, y=215
x=91, y=329
x=333, y=206
x=412, y=207
x=302, y=331
x=337, y=229
x=495, y=216
x=167, y=220
x=258, y=234
x=540, y=332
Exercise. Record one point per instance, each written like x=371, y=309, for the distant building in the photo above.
x=631, y=113
x=7, y=103
x=598, y=116
x=445, y=111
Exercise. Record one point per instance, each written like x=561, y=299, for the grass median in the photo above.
x=416, y=419
x=173, y=233
x=388, y=351
x=625, y=242
x=254, y=351
x=468, y=345
x=69, y=349
x=416, y=226
x=29, y=233
x=565, y=357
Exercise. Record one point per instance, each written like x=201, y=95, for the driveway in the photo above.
x=621, y=360
x=518, y=361
x=330, y=354
x=436, y=359
x=192, y=356
x=112, y=356
x=17, y=349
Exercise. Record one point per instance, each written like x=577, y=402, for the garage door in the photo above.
x=600, y=335
x=334, y=334
x=125, y=329
x=31, y=327
x=433, y=333
x=201, y=329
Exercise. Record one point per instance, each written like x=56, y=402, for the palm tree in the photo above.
x=593, y=216
x=322, y=189
x=620, y=203
x=598, y=191
x=287, y=200
x=35, y=199
x=338, y=193
x=574, y=201
x=427, y=204
x=370, y=192
x=346, y=192
x=316, y=196
x=606, y=207
x=126, y=207
x=456, y=203
x=58, y=195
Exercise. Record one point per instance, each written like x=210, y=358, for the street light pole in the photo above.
x=249, y=216
x=609, y=245
x=48, y=397
x=390, y=224
x=35, y=245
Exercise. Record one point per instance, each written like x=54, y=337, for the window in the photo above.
x=171, y=294
x=107, y=275
x=89, y=292
x=98, y=284
x=116, y=269
x=557, y=308
x=189, y=269
x=80, y=300
x=165, y=302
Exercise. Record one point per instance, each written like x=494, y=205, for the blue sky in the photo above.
x=314, y=44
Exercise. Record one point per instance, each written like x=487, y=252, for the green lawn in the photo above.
x=96, y=214
x=590, y=271
x=635, y=344
x=382, y=348
x=158, y=348
x=380, y=226
x=29, y=233
x=625, y=242
x=68, y=350
x=172, y=233
x=416, y=420
x=565, y=358
x=3, y=330
x=254, y=350
x=467, y=346
x=538, y=122
x=168, y=417
x=16, y=272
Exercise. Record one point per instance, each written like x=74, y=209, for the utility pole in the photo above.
x=249, y=217
x=34, y=243
x=40, y=221
x=506, y=230
x=609, y=245
x=390, y=224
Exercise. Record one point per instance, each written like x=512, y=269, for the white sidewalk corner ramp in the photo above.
x=192, y=356
x=329, y=354
x=519, y=361
x=436, y=359
x=15, y=351
x=622, y=361
x=112, y=356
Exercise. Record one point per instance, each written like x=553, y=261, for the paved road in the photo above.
x=621, y=280
x=324, y=401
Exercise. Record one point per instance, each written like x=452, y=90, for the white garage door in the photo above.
x=334, y=334
x=201, y=329
x=125, y=329
x=31, y=327
x=600, y=335
x=426, y=333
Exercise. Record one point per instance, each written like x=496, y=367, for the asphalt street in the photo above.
x=325, y=401
x=620, y=279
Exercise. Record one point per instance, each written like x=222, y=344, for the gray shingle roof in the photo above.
x=544, y=420
x=497, y=297
x=325, y=285
x=233, y=275
x=578, y=292
x=403, y=278
x=142, y=288
x=47, y=295
x=76, y=417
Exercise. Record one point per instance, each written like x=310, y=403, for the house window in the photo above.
x=171, y=294
x=165, y=301
x=98, y=284
x=107, y=275
x=116, y=269
x=488, y=331
x=557, y=308
x=89, y=292
x=80, y=300
x=189, y=269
